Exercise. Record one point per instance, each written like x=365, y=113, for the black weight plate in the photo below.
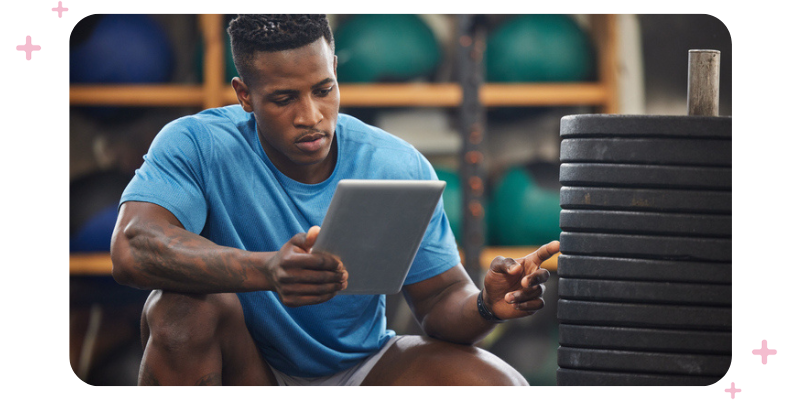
x=687, y=201
x=657, y=316
x=648, y=362
x=577, y=377
x=573, y=266
x=646, y=223
x=645, y=176
x=675, y=126
x=688, y=152
x=639, y=339
x=698, y=294
x=648, y=247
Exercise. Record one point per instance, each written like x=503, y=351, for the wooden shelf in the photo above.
x=214, y=91
x=93, y=264
x=358, y=95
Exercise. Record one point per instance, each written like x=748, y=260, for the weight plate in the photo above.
x=576, y=377
x=687, y=201
x=648, y=247
x=657, y=316
x=645, y=176
x=573, y=266
x=646, y=223
x=644, y=292
x=648, y=362
x=676, y=126
x=689, y=152
x=638, y=339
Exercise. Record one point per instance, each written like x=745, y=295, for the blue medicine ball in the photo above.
x=119, y=49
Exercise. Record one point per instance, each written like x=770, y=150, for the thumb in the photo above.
x=504, y=265
x=311, y=237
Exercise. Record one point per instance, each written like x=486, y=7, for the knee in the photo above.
x=178, y=322
x=489, y=370
x=462, y=365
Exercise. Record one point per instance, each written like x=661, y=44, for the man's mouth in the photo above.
x=311, y=142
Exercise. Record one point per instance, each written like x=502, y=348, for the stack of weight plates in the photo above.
x=645, y=266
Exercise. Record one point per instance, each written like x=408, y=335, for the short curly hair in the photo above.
x=251, y=33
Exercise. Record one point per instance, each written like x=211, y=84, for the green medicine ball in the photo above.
x=539, y=48
x=385, y=48
x=522, y=213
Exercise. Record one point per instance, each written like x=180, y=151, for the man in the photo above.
x=211, y=222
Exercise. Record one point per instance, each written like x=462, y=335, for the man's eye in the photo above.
x=324, y=92
x=282, y=102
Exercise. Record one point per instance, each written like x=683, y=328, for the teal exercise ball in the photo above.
x=522, y=212
x=385, y=48
x=451, y=198
x=539, y=48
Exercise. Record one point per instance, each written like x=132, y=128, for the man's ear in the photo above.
x=242, y=93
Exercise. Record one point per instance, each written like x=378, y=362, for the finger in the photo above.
x=504, y=265
x=538, y=277
x=299, y=241
x=543, y=253
x=295, y=276
x=525, y=294
x=313, y=261
x=311, y=236
x=531, y=306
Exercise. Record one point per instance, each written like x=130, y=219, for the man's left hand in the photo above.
x=513, y=288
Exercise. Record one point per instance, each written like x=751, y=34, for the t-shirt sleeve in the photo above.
x=172, y=173
x=438, y=251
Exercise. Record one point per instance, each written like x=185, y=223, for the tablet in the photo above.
x=376, y=227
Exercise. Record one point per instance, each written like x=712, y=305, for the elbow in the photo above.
x=122, y=263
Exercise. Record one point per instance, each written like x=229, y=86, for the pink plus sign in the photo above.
x=28, y=48
x=733, y=390
x=60, y=9
x=764, y=352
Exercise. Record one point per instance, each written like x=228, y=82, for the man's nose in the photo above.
x=308, y=113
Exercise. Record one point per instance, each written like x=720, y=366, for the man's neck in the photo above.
x=307, y=174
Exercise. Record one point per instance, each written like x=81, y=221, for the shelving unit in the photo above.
x=214, y=92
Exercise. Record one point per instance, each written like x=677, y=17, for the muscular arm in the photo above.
x=150, y=249
x=445, y=306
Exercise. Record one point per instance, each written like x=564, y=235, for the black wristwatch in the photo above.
x=486, y=312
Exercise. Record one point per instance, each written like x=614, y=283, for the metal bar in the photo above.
x=472, y=114
x=703, y=82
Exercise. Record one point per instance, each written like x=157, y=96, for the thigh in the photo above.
x=422, y=361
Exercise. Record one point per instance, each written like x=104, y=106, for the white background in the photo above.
x=34, y=164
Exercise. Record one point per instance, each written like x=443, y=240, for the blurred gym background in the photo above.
x=131, y=74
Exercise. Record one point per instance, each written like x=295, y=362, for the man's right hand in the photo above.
x=301, y=278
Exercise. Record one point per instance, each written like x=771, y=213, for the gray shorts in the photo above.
x=352, y=376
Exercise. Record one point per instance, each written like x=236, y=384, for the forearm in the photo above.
x=455, y=317
x=159, y=256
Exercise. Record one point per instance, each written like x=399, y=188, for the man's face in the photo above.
x=295, y=99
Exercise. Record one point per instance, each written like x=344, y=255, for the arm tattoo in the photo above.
x=179, y=260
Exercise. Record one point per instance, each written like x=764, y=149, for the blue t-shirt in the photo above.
x=210, y=171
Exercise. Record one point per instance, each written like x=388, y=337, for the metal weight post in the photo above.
x=470, y=51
